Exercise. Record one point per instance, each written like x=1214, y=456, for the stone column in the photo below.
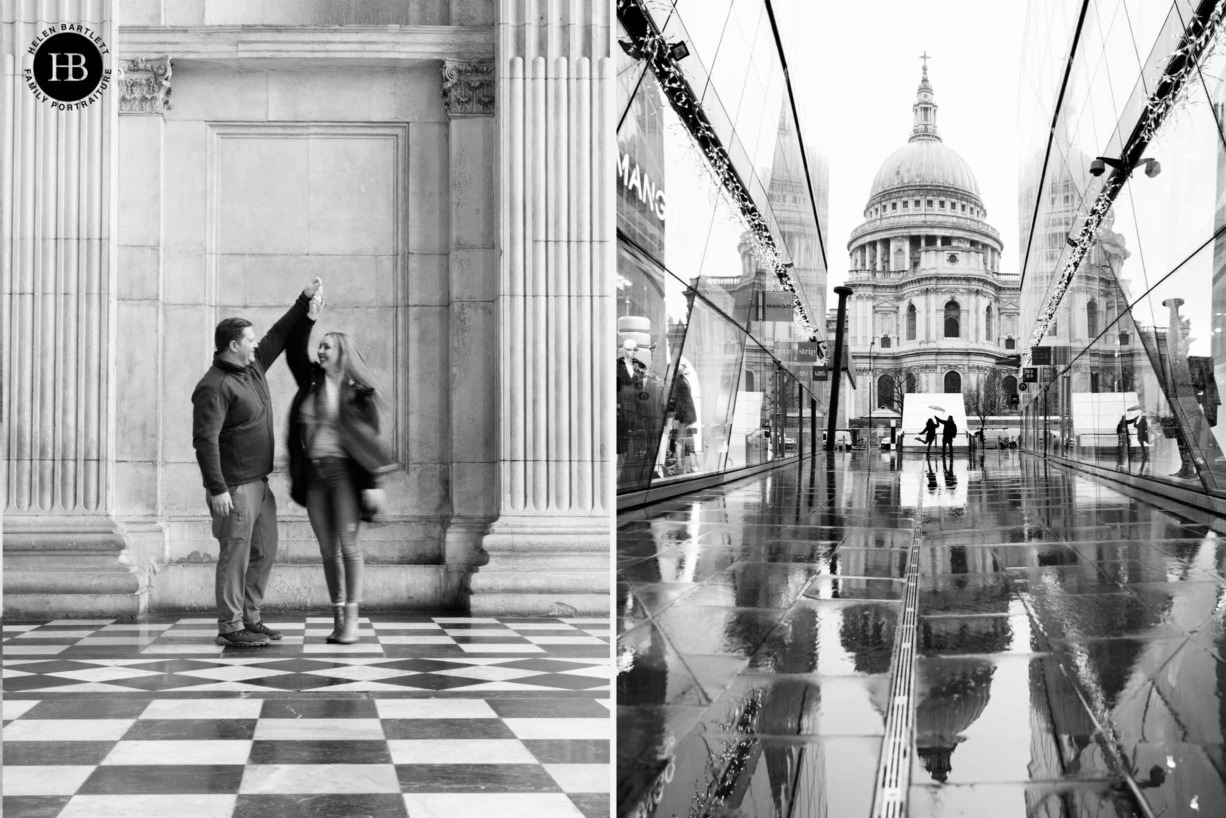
x=550, y=548
x=473, y=341
x=57, y=267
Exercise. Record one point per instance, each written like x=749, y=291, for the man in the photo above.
x=232, y=431
x=949, y=431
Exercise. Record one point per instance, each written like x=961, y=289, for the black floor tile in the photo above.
x=320, y=752
x=321, y=806
x=421, y=729
x=593, y=804
x=569, y=751
x=33, y=806
x=56, y=753
x=299, y=708
x=191, y=729
x=474, y=778
x=580, y=708
x=167, y=779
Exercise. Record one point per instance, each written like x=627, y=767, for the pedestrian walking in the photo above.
x=1121, y=433
x=232, y=432
x=336, y=460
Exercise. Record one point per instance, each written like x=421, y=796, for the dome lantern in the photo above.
x=925, y=109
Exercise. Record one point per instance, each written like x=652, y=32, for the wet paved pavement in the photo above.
x=1066, y=657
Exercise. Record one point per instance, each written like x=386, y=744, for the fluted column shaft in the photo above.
x=56, y=205
x=556, y=98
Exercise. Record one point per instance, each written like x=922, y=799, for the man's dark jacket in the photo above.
x=232, y=419
x=357, y=424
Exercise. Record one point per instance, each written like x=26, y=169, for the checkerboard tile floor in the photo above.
x=425, y=716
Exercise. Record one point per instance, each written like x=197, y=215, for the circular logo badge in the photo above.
x=68, y=67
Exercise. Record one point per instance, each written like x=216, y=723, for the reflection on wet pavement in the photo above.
x=1068, y=651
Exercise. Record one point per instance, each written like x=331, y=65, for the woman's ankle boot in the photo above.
x=338, y=623
x=350, y=633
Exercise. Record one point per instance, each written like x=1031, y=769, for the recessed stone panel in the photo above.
x=352, y=201
x=262, y=189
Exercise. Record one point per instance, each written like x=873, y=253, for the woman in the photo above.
x=1143, y=435
x=336, y=458
x=929, y=435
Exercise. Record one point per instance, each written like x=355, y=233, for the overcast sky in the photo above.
x=864, y=98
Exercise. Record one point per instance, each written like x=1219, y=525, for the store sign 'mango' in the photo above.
x=636, y=181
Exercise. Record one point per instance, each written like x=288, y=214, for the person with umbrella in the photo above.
x=949, y=431
x=1121, y=431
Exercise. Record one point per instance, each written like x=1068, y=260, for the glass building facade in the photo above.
x=718, y=189
x=1124, y=258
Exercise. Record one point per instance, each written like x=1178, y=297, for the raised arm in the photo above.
x=273, y=342
x=297, y=347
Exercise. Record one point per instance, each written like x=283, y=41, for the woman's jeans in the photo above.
x=332, y=506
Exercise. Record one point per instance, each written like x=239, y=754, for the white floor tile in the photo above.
x=233, y=673
x=540, y=626
x=434, y=709
x=15, y=709
x=11, y=649
x=58, y=622
x=489, y=673
x=319, y=729
x=203, y=649
x=129, y=806
x=416, y=640
x=504, y=632
x=323, y=647
x=503, y=804
x=203, y=709
x=51, y=633
x=40, y=780
x=460, y=751
x=85, y=687
x=475, y=620
x=117, y=640
x=559, y=728
x=503, y=648
x=407, y=626
x=359, y=673
x=104, y=674
x=137, y=626
x=319, y=778
x=580, y=777
x=65, y=730
x=179, y=752
x=490, y=687
x=565, y=640
x=360, y=687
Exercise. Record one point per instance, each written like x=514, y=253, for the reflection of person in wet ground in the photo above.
x=951, y=479
x=932, y=479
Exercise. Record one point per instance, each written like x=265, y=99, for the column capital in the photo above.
x=144, y=85
x=468, y=88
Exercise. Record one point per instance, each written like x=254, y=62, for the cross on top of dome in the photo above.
x=925, y=109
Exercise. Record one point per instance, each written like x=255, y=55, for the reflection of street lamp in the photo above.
x=871, y=379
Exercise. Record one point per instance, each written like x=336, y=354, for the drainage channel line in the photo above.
x=894, y=770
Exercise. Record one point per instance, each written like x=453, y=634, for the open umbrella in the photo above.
x=938, y=408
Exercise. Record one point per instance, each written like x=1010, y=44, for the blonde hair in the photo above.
x=354, y=367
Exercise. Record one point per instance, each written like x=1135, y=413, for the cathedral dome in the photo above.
x=924, y=163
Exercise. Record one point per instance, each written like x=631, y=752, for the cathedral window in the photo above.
x=885, y=392
x=893, y=205
x=953, y=383
x=911, y=385
x=1092, y=319
x=904, y=205
x=953, y=320
x=987, y=324
x=930, y=202
x=1010, y=343
x=885, y=342
x=911, y=322
x=941, y=204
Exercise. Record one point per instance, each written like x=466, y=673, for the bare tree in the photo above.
x=987, y=398
x=895, y=394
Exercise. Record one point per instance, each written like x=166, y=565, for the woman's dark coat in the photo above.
x=357, y=421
